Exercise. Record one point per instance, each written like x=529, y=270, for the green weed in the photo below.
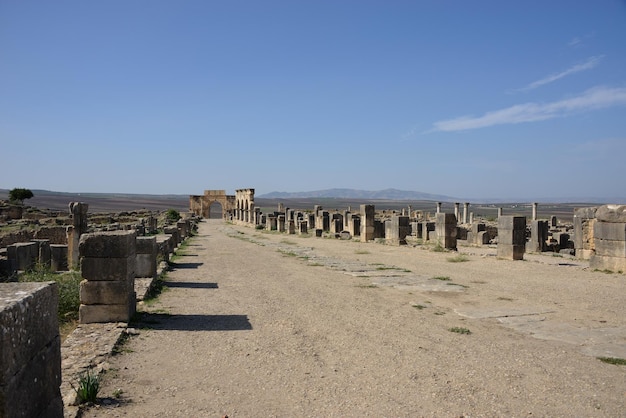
x=460, y=330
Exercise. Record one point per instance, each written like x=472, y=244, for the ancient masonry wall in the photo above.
x=609, y=236
x=30, y=347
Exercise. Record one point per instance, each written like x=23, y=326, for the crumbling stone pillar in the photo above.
x=609, y=233
x=30, y=347
x=303, y=228
x=291, y=226
x=465, y=210
x=396, y=230
x=78, y=213
x=538, y=237
x=107, y=293
x=367, y=222
x=271, y=223
x=43, y=251
x=584, y=219
x=534, y=218
x=336, y=224
x=456, y=210
x=511, y=237
x=438, y=207
x=281, y=223
x=445, y=229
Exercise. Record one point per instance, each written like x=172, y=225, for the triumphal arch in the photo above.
x=239, y=207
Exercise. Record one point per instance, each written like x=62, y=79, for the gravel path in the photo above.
x=269, y=325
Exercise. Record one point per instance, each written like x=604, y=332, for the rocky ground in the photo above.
x=264, y=324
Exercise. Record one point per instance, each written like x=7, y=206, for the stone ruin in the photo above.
x=110, y=264
x=111, y=261
x=597, y=238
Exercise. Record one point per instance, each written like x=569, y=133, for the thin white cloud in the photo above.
x=587, y=65
x=595, y=98
x=575, y=42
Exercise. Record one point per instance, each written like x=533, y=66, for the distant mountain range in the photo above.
x=387, y=194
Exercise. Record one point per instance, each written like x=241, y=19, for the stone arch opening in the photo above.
x=216, y=210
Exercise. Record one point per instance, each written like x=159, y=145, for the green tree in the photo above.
x=19, y=195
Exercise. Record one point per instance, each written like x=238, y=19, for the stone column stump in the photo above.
x=511, y=237
x=107, y=292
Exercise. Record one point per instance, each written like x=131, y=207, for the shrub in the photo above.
x=68, y=284
x=172, y=215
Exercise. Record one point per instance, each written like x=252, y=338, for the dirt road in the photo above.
x=257, y=324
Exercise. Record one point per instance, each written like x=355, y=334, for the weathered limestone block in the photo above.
x=600, y=262
x=584, y=225
x=445, y=229
x=538, y=237
x=105, y=292
x=511, y=237
x=31, y=351
x=183, y=228
x=23, y=255
x=106, y=313
x=281, y=223
x=303, y=228
x=291, y=226
x=173, y=231
x=108, y=265
x=96, y=269
x=367, y=222
x=163, y=245
x=43, y=251
x=396, y=230
x=113, y=244
x=611, y=213
x=615, y=231
x=146, y=257
x=58, y=257
x=610, y=248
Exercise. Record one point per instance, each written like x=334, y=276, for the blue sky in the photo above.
x=470, y=99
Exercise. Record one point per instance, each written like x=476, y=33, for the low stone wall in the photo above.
x=30, y=347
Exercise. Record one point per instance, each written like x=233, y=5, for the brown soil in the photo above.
x=282, y=326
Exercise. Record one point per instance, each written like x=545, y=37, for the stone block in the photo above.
x=599, y=262
x=611, y=213
x=89, y=314
x=28, y=320
x=58, y=257
x=145, y=265
x=514, y=237
x=108, y=268
x=511, y=222
x=23, y=255
x=585, y=213
x=510, y=252
x=610, y=248
x=610, y=230
x=116, y=244
x=30, y=363
x=105, y=293
x=43, y=251
x=146, y=245
x=34, y=391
